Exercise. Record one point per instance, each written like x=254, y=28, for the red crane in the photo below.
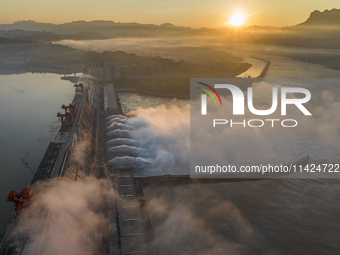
x=70, y=106
x=79, y=85
x=20, y=199
x=67, y=115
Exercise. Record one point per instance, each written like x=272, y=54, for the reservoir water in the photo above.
x=28, y=112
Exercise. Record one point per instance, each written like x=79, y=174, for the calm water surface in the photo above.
x=28, y=107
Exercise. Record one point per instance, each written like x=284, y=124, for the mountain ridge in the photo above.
x=325, y=18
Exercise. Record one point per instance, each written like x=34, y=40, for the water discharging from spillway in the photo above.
x=135, y=163
x=116, y=125
x=122, y=141
x=152, y=142
x=116, y=117
x=127, y=150
x=119, y=133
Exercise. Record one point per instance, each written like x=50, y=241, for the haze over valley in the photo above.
x=204, y=52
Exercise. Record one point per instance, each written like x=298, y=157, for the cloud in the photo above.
x=164, y=132
x=195, y=220
x=65, y=217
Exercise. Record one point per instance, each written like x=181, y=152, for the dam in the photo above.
x=94, y=121
x=84, y=121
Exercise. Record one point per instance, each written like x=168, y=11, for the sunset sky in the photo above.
x=193, y=13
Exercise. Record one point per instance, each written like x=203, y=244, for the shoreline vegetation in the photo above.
x=152, y=74
x=122, y=85
x=164, y=76
x=185, y=94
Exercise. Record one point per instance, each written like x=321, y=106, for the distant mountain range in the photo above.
x=100, y=28
x=113, y=29
x=25, y=44
x=19, y=34
x=325, y=18
x=310, y=33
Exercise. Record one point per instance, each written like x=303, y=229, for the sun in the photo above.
x=237, y=20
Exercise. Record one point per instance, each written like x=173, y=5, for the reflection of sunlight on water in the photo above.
x=255, y=70
x=287, y=68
